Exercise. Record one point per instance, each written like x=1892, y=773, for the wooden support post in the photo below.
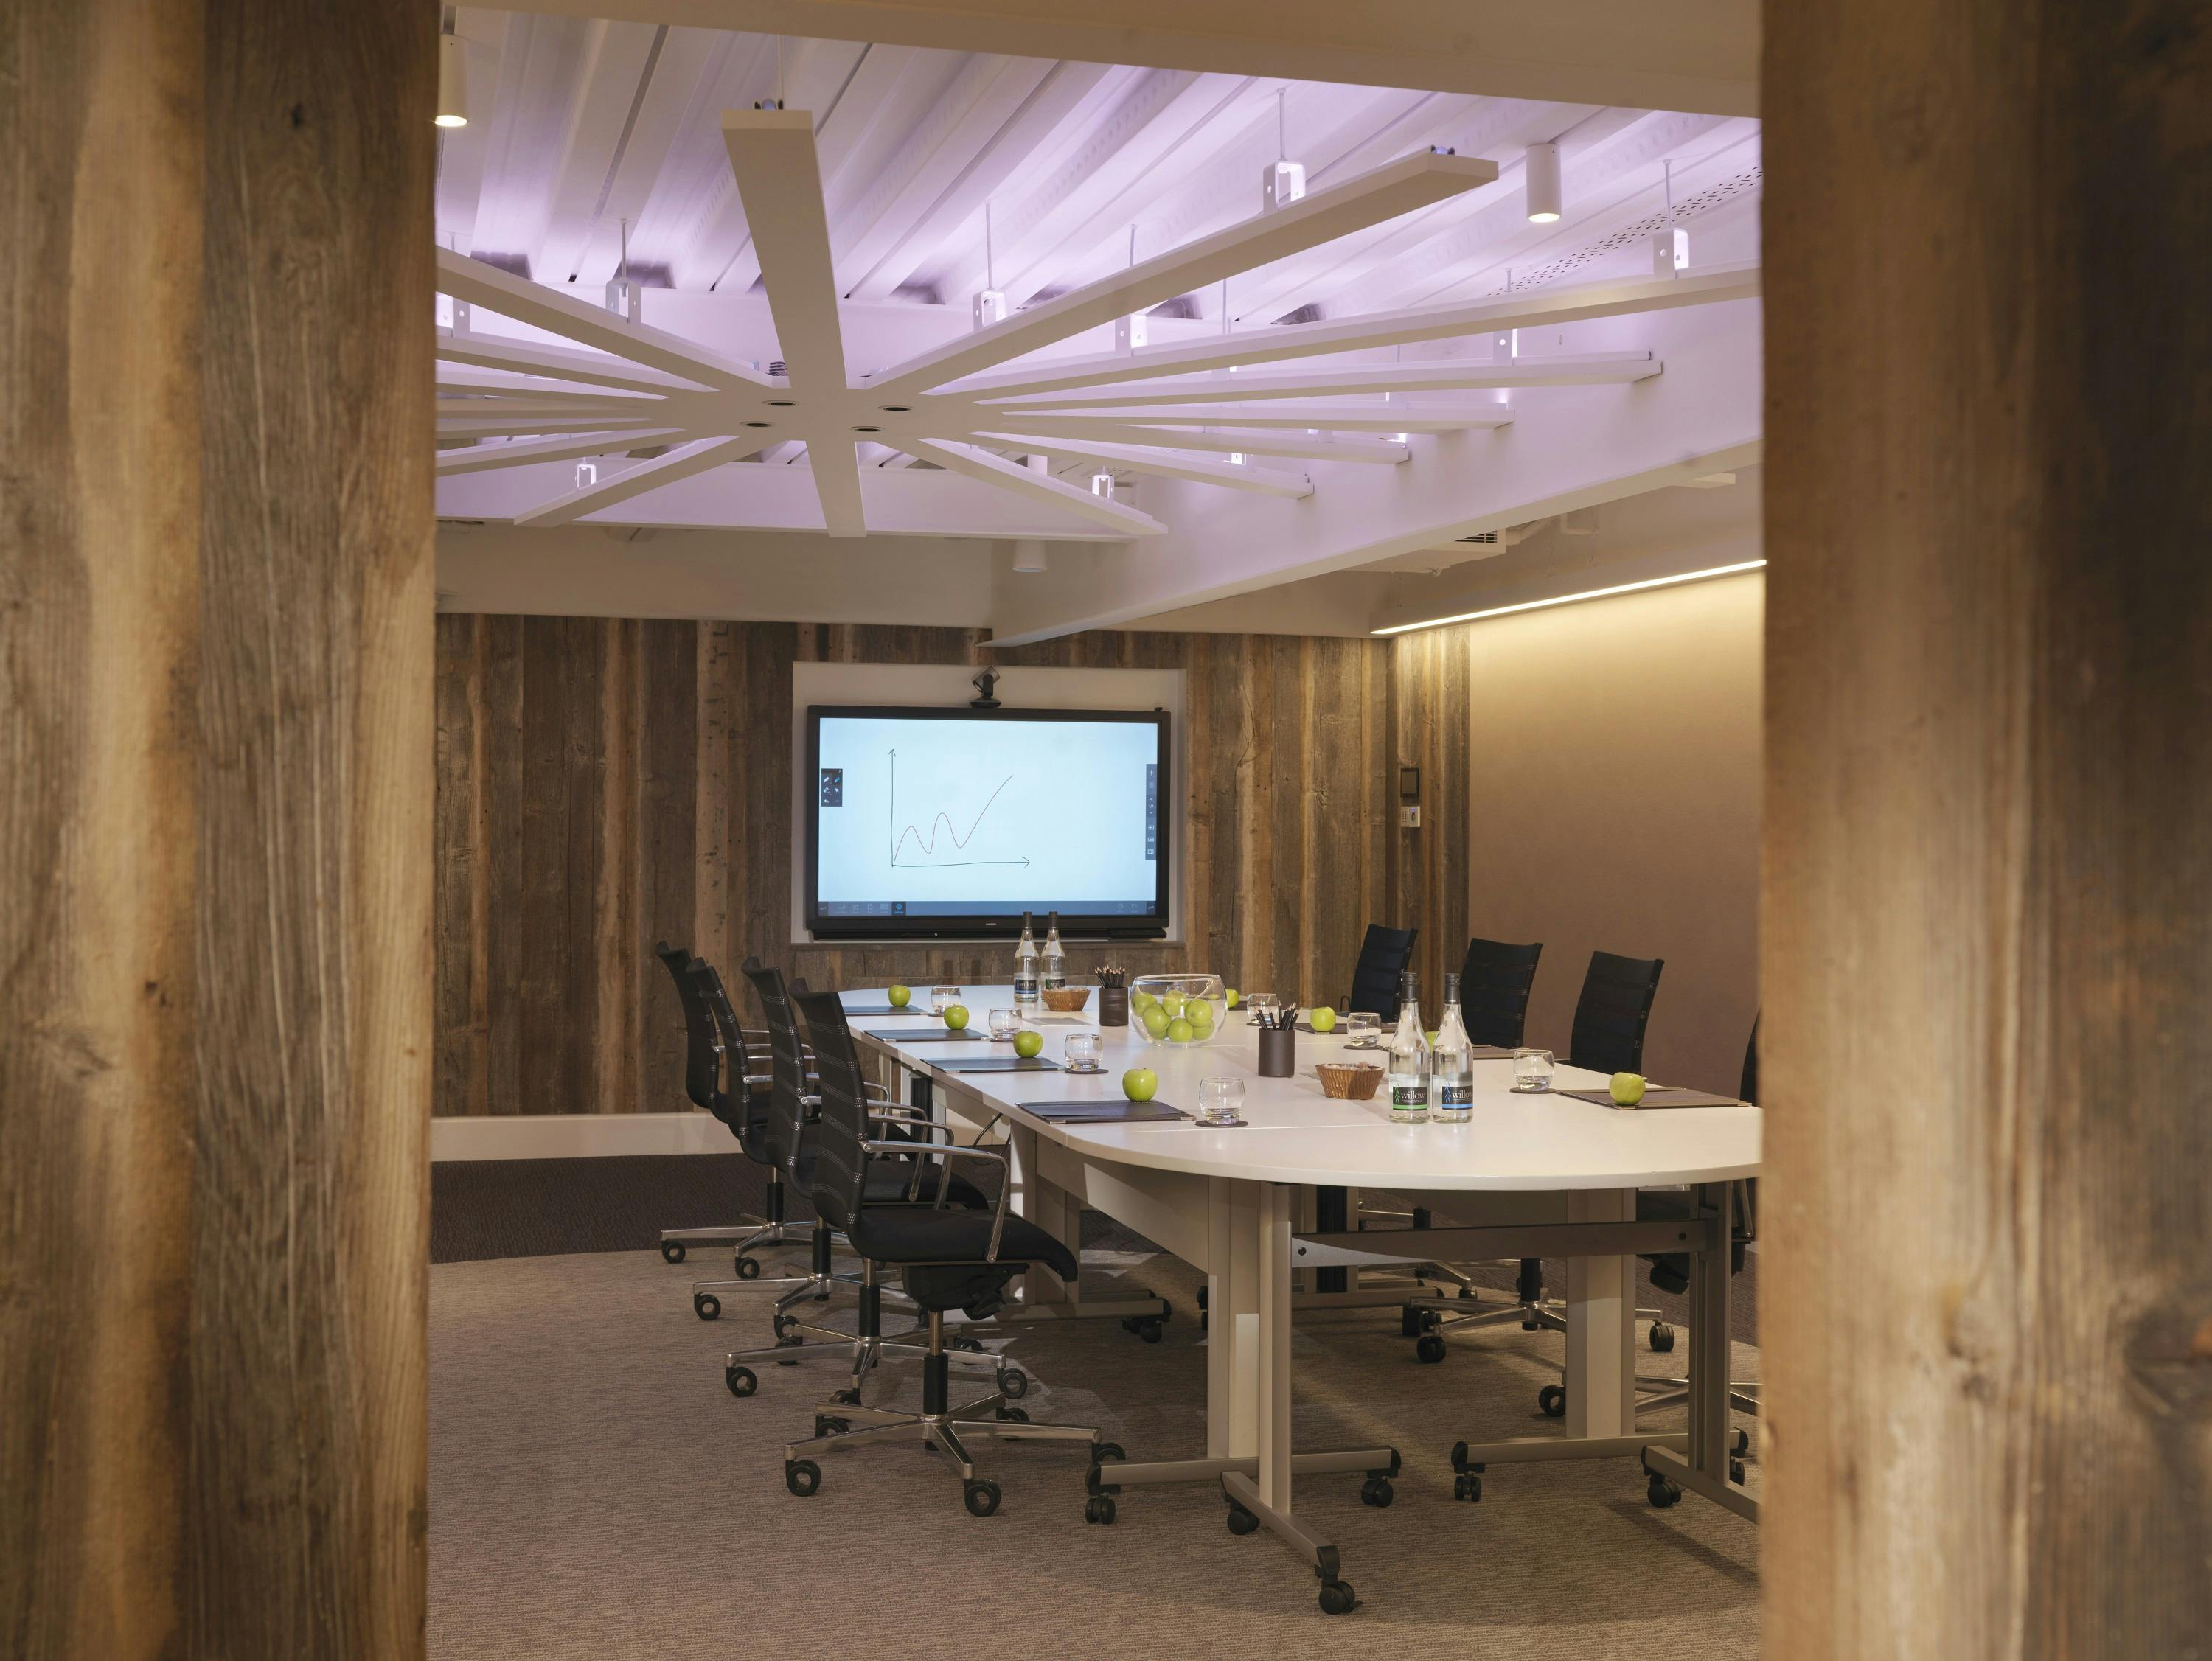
x=215, y=599
x=1987, y=1309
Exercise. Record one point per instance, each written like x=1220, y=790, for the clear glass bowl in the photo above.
x=1171, y=997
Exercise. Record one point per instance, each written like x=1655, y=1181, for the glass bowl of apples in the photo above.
x=1180, y=1011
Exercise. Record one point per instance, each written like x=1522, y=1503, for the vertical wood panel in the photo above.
x=503, y=826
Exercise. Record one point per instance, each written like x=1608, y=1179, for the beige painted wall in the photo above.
x=1616, y=766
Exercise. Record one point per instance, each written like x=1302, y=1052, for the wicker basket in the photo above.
x=1065, y=1000
x=1349, y=1081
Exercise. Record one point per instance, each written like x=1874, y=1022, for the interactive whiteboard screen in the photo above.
x=955, y=822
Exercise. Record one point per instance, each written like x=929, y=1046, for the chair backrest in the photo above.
x=840, y=1161
x=703, y=1056
x=745, y=1104
x=1383, y=956
x=783, y=1124
x=1493, y=991
x=1748, y=1089
x=1612, y=1011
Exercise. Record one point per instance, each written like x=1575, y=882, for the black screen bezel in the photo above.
x=983, y=925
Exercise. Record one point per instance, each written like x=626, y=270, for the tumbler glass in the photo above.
x=1532, y=1071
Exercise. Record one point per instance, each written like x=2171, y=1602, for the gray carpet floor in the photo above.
x=595, y=1492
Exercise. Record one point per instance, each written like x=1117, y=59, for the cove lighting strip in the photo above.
x=1570, y=599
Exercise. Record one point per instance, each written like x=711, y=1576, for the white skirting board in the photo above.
x=578, y=1136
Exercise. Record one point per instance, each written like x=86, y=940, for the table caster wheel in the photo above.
x=1147, y=1327
x=802, y=1477
x=740, y=1380
x=1467, y=1486
x=748, y=1269
x=1337, y=1597
x=1741, y=1445
x=831, y=1426
x=848, y=1395
x=1431, y=1349
x=1409, y=1322
x=1012, y=1416
x=1099, y=1508
x=1662, y=1493
x=973, y=1346
x=1013, y=1384
x=1106, y=1451
x=671, y=1250
x=1551, y=1401
x=1242, y=1521
x=981, y=1498
x=1661, y=1337
x=705, y=1305
x=1377, y=1491
x=1735, y=1472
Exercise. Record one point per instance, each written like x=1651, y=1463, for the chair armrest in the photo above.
x=961, y=1150
x=915, y=1122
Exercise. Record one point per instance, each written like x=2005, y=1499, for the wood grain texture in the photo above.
x=1428, y=719
x=686, y=768
x=1988, y=886
x=99, y=276
x=306, y=1531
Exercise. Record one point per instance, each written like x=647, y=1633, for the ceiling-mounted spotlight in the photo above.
x=1028, y=560
x=1131, y=333
x=1284, y=181
x=991, y=303
x=1539, y=179
x=452, y=81
x=1102, y=485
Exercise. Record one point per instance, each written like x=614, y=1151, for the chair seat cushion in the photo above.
x=922, y=1235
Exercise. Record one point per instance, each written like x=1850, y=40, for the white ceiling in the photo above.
x=581, y=126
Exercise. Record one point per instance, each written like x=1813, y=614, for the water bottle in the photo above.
x=1451, y=1067
x=1056, y=959
x=1409, y=1078
x=1026, y=967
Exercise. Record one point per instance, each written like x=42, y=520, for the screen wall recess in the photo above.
x=938, y=823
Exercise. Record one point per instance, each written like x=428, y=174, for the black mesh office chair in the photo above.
x=1494, y=981
x=717, y=1078
x=791, y=1134
x=950, y=1260
x=1383, y=955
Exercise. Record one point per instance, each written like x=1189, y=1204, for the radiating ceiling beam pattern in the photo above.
x=483, y=458
x=681, y=463
x=1447, y=375
x=1161, y=463
x=1312, y=414
x=979, y=464
x=1235, y=441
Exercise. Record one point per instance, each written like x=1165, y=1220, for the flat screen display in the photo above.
x=955, y=822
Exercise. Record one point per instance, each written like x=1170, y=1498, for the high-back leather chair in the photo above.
x=1494, y=981
x=1613, y=1012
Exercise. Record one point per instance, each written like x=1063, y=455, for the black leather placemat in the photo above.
x=1102, y=1112
x=869, y=1011
x=1658, y=1098
x=965, y=1035
x=998, y=1064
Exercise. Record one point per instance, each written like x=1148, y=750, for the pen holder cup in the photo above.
x=1278, y=1052
x=1113, y=1006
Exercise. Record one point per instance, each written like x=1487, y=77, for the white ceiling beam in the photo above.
x=981, y=465
x=1262, y=482
x=772, y=152
x=1382, y=194
x=1310, y=414
x=604, y=410
x=681, y=463
x=590, y=368
x=587, y=323
x=454, y=378
x=1065, y=88
x=493, y=427
x=1444, y=375
x=483, y=458
x=1617, y=297
x=1252, y=443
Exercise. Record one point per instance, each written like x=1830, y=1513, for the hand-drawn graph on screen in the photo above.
x=917, y=857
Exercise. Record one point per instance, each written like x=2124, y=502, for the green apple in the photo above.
x=900, y=997
x=1027, y=1043
x=1200, y=1014
x=1156, y=1021
x=956, y=1015
x=1141, y=1001
x=1172, y=1002
x=1627, y=1088
x=1140, y=1084
x=1180, y=1031
x=1232, y=997
x=1322, y=1020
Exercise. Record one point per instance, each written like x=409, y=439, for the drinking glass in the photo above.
x=1363, y=1029
x=1257, y=1001
x=1081, y=1052
x=1220, y=1100
x=1532, y=1070
x=942, y=998
x=1004, y=1023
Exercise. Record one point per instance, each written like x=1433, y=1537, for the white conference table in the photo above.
x=1530, y=1175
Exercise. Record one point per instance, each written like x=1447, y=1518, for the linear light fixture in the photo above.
x=1570, y=599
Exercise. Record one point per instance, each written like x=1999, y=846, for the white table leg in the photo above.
x=1602, y=1324
x=1271, y=1218
x=1232, y=1302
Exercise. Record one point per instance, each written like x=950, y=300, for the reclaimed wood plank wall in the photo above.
x=606, y=783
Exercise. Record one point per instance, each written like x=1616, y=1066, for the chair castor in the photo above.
x=1551, y=1401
